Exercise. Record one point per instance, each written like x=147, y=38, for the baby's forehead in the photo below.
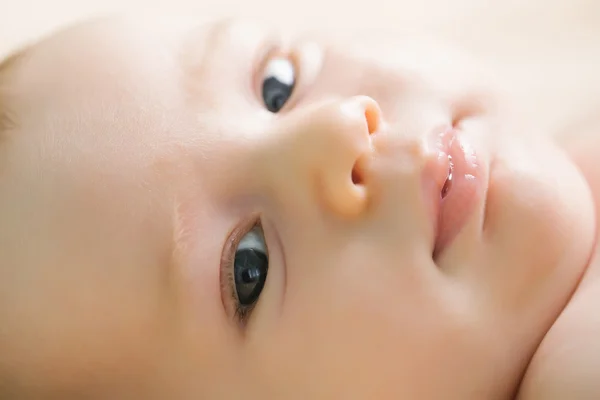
x=117, y=62
x=92, y=65
x=118, y=75
x=123, y=52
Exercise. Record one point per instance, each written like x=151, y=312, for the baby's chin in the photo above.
x=539, y=217
x=565, y=362
x=566, y=203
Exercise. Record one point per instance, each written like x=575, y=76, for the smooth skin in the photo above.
x=143, y=153
x=567, y=362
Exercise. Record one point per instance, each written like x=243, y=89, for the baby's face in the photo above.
x=222, y=213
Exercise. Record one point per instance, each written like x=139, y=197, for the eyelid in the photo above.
x=278, y=276
x=263, y=55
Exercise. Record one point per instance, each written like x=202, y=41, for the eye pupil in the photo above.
x=277, y=103
x=250, y=275
x=250, y=270
x=276, y=91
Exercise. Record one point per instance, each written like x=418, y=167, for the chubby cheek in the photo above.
x=387, y=333
x=76, y=328
x=89, y=296
x=81, y=320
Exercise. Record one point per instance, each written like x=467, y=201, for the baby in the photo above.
x=224, y=212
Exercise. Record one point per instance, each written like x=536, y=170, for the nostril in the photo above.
x=356, y=177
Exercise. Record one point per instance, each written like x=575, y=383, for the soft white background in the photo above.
x=548, y=49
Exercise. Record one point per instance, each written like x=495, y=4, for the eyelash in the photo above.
x=240, y=313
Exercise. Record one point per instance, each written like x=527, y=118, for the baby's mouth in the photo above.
x=448, y=183
x=461, y=193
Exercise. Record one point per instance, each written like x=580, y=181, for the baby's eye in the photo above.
x=250, y=267
x=278, y=83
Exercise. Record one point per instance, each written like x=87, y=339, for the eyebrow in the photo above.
x=196, y=60
x=217, y=35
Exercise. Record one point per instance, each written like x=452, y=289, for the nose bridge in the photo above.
x=326, y=144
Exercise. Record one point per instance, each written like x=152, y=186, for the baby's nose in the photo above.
x=329, y=143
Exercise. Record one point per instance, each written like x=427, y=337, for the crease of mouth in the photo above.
x=448, y=183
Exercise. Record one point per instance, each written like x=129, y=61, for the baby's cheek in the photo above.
x=76, y=346
x=76, y=316
x=360, y=340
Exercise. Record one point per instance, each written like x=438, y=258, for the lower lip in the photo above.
x=465, y=191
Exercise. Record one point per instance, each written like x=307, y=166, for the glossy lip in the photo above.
x=456, y=166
